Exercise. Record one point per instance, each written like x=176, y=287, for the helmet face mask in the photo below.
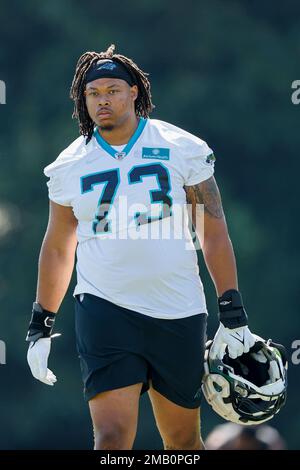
x=250, y=389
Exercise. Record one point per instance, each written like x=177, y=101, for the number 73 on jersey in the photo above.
x=111, y=180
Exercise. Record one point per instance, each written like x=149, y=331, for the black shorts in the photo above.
x=119, y=347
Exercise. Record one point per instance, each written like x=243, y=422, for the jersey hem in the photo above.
x=138, y=310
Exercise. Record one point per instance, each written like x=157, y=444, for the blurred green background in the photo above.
x=221, y=70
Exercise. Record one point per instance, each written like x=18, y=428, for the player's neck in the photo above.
x=120, y=135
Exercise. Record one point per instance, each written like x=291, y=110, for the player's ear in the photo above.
x=134, y=92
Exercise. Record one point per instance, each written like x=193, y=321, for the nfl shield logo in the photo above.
x=120, y=155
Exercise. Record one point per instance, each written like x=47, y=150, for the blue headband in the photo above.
x=107, y=68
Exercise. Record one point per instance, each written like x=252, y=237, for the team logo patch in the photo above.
x=210, y=159
x=156, y=152
x=107, y=66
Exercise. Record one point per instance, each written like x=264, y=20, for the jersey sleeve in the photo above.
x=199, y=164
x=58, y=190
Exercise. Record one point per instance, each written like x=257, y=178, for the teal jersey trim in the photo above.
x=118, y=155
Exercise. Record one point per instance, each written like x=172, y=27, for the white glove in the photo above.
x=238, y=340
x=37, y=358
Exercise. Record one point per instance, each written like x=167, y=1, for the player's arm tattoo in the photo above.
x=208, y=194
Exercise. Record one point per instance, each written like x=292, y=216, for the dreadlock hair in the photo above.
x=143, y=103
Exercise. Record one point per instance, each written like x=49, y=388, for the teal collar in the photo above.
x=120, y=155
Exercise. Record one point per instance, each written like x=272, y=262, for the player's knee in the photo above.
x=113, y=436
x=183, y=440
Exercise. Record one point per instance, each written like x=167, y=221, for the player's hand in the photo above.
x=39, y=337
x=237, y=340
x=37, y=358
x=233, y=332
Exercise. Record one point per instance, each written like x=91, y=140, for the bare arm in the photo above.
x=57, y=256
x=216, y=244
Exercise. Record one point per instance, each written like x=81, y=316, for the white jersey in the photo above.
x=118, y=198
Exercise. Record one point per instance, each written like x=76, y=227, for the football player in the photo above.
x=140, y=308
